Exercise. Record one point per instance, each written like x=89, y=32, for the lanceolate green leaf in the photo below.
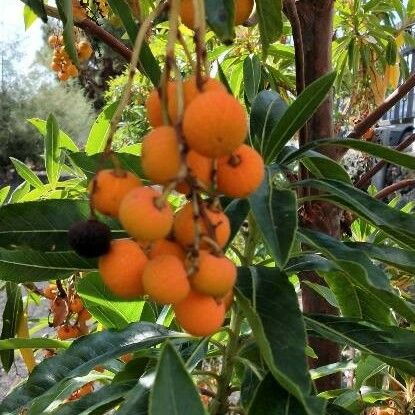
x=275, y=212
x=104, y=306
x=29, y=16
x=297, y=115
x=65, y=14
x=360, y=270
x=80, y=358
x=236, y=210
x=38, y=7
x=11, y=317
x=269, y=302
x=173, y=387
x=368, y=367
x=270, y=24
x=148, y=64
x=136, y=401
x=252, y=76
x=389, y=344
x=25, y=173
x=28, y=265
x=32, y=343
x=52, y=150
x=4, y=192
x=309, y=262
x=44, y=225
x=323, y=167
x=220, y=15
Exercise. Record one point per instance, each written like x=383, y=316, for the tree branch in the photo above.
x=394, y=187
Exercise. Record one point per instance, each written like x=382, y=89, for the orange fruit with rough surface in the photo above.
x=184, y=228
x=215, y=124
x=109, y=187
x=241, y=173
x=122, y=269
x=84, y=315
x=200, y=315
x=228, y=300
x=166, y=247
x=84, y=50
x=68, y=332
x=215, y=275
x=165, y=279
x=145, y=215
x=76, y=305
x=191, y=91
x=50, y=292
x=153, y=105
x=160, y=155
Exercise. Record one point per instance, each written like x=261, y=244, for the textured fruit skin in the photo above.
x=191, y=91
x=84, y=50
x=76, y=305
x=215, y=124
x=215, y=275
x=184, y=230
x=166, y=247
x=153, y=106
x=50, y=292
x=110, y=188
x=228, y=300
x=84, y=315
x=200, y=167
x=160, y=157
x=142, y=218
x=241, y=173
x=200, y=315
x=90, y=238
x=122, y=269
x=165, y=279
x=68, y=332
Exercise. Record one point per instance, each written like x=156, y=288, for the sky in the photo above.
x=12, y=27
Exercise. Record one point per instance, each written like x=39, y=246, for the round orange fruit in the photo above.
x=166, y=247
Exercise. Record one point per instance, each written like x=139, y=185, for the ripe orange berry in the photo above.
x=200, y=315
x=241, y=173
x=84, y=390
x=160, y=157
x=76, y=305
x=72, y=70
x=68, y=332
x=84, y=49
x=84, y=315
x=215, y=275
x=191, y=91
x=243, y=9
x=63, y=76
x=109, y=188
x=166, y=247
x=55, y=66
x=122, y=268
x=184, y=229
x=50, y=292
x=228, y=300
x=145, y=215
x=200, y=167
x=215, y=124
x=127, y=357
x=153, y=105
x=165, y=279
x=53, y=41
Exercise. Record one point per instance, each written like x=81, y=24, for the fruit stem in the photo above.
x=199, y=37
x=61, y=290
x=186, y=50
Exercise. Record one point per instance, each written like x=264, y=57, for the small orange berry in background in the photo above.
x=200, y=315
x=153, y=105
x=108, y=189
x=243, y=9
x=67, y=332
x=166, y=247
x=145, y=215
x=184, y=228
x=160, y=155
x=84, y=315
x=53, y=41
x=84, y=390
x=215, y=124
x=63, y=76
x=215, y=275
x=241, y=173
x=165, y=279
x=50, y=292
x=127, y=357
x=76, y=305
x=84, y=50
x=122, y=268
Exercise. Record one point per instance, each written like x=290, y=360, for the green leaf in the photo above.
x=275, y=212
x=64, y=140
x=25, y=173
x=270, y=21
x=359, y=270
x=136, y=401
x=173, y=387
x=19, y=192
x=4, y=192
x=11, y=318
x=80, y=358
x=96, y=140
x=309, y=262
x=376, y=150
x=28, y=265
x=368, y=367
x=236, y=210
x=391, y=52
x=389, y=344
x=266, y=110
x=52, y=151
x=38, y=7
x=223, y=78
x=147, y=63
x=32, y=343
x=327, y=370
x=220, y=16
x=44, y=225
x=109, y=310
x=397, y=224
x=298, y=113
x=65, y=14
x=270, y=303
x=252, y=76
x=324, y=292
x=90, y=164
x=29, y=16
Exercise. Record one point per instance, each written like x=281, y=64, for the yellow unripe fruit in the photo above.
x=122, y=268
x=165, y=280
x=108, y=189
x=241, y=173
x=215, y=276
x=160, y=156
x=200, y=315
x=215, y=124
x=145, y=215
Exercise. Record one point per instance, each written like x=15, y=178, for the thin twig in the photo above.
x=394, y=187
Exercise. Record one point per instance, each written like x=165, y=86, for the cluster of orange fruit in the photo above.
x=61, y=62
x=69, y=314
x=163, y=260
